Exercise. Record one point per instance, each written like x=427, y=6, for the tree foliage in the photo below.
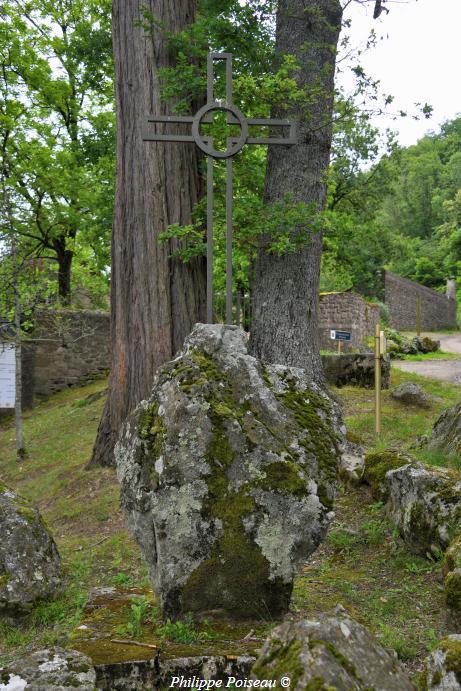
x=56, y=129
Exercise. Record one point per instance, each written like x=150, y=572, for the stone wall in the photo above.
x=355, y=369
x=346, y=312
x=401, y=296
x=69, y=348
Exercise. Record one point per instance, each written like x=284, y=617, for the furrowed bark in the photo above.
x=286, y=288
x=155, y=300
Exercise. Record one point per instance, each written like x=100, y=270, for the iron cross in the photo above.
x=233, y=145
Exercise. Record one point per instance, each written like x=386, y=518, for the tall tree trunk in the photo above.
x=155, y=300
x=286, y=289
x=64, y=258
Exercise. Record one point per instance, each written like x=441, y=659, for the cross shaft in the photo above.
x=234, y=144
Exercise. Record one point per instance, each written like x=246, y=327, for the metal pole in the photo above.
x=209, y=243
x=377, y=380
x=229, y=190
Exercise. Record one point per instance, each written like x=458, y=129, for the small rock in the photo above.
x=409, y=347
x=425, y=505
x=446, y=433
x=53, y=669
x=411, y=394
x=443, y=666
x=428, y=345
x=30, y=566
x=352, y=463
x=334, y=652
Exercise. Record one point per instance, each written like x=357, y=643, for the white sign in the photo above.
x=382, y=343
x=7, y=375
x=333, y=335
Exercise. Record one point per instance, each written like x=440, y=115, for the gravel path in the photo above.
x=445, y=370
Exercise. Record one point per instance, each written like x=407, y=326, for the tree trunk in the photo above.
x=64, y=258
x=155, y=300
x=286, y=289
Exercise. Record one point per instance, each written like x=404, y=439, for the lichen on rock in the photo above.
x=228, y=476
x=443, y=666
x=52, y=669
x=333, y=652
x=425, y=505
x=446, y=432
x=30, y=566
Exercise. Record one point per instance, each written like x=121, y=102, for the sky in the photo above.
x=419, y=59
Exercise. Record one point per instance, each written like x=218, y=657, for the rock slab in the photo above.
x=355, y=369
x=53, y=669
x=228, y=475
x=446, y=433
x=334, y=652
x=30, y=566
x=425, y=505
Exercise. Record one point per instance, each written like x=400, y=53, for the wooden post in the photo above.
x=418, y=316
x=378, y=380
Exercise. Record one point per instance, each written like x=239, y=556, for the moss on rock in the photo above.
x=377, y=464
x=452, y=558
x=312, y=412
x=453, y=590
x=283, y=660
x=451, y=646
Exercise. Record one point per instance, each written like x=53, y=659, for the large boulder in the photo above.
x=334, y=652
x=425, y=505
x=228, y=476
x=411, y=394
x=446, y=433
x=443, y=666
x=30, y=566
x=53, y=669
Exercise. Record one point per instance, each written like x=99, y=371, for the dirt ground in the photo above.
x=444, y=370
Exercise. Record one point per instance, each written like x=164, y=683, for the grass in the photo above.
x=401, y=424
x=362, y=564
x=438, y=355
x=80, y=507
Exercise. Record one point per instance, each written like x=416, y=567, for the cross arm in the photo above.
x=170, y=119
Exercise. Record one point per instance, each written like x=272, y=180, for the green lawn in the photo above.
x=397, y=595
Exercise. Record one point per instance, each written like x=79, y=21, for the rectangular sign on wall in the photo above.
x=7, y=375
